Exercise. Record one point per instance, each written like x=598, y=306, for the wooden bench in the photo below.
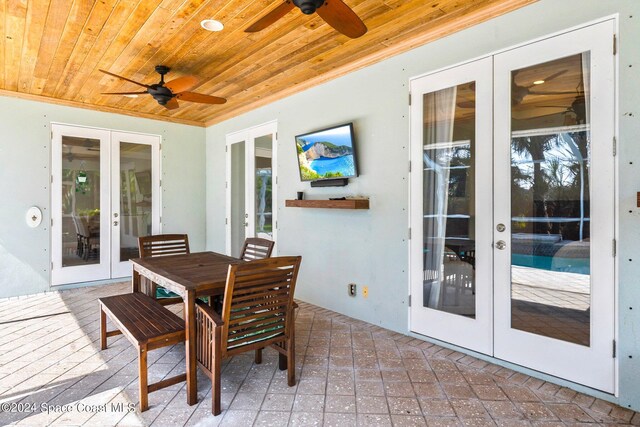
x=148, y=325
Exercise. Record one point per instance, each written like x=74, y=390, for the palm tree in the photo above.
x=535, y=148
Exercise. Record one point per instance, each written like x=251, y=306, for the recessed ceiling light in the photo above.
x=133, y=95
x=212, y=25
x=538, y=82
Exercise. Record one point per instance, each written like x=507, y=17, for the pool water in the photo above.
x=555, y=263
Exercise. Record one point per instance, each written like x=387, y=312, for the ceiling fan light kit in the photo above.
x=308, y=7
x=336, y=13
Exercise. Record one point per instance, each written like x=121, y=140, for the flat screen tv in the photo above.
x=327, y=154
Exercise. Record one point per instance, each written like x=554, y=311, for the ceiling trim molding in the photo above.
x=104, y=109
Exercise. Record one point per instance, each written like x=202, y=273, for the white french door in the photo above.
x=451, y=292
x=512, y=212
x=251, y=185
x=554, y=188
x=105, y=193
x=135, y=195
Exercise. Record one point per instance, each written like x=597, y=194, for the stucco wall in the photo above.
x=370, y=247
x=25, y=158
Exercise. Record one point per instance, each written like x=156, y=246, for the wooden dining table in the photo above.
x=190, y=276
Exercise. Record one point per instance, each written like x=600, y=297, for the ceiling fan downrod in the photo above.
x=308, y=6
x=159, y=92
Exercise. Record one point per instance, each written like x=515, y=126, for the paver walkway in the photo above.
x=349, y=373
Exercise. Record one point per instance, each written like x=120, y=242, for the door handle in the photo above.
x=115, y=223
x=500, y=244
x=246, y=224
x=501, y=227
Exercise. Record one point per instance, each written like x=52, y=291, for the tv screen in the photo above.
x=327, y=154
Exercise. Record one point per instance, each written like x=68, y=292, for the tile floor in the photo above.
x=349, y=373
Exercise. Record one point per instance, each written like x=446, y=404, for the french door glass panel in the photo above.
x=238, y=219
x=264, y=187
x=135, y=189
x=451, y=279
x=554, y=186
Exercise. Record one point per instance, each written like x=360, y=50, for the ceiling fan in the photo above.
x=335, y=12
x=167, y=94
x=518, y=93
x=577, y=109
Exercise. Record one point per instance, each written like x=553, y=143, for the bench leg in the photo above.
x=103, y=329
x=258, y=356
x=142, y=378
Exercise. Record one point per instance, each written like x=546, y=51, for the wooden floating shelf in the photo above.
x=329, y=204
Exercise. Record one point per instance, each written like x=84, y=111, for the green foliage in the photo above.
x=299, y=148
x=308, y=174
x=332, y=175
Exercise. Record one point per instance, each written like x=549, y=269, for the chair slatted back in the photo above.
x=256, y=248
x=81, y=228
x=258, y=303
x=163, y=245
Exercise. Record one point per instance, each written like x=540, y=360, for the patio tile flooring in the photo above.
x=350, y=373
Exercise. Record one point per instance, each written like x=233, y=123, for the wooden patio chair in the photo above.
x=162, y=245
x=257, y=312
x=88, y=240
x=256, y=248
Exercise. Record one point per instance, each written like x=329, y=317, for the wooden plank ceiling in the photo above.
x=52, y=49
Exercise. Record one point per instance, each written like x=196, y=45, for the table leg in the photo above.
x=190, y=346
x=135, y=281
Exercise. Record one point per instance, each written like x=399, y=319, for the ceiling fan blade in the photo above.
x=181, y=84
x=124, y=93
x=172, y=104
x=549, y=78
x=270, y=17
x=198, y=97
x=340, y=16
x=124, y=78
x=555, y=75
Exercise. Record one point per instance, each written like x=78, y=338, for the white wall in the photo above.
x=25, y=157
x=370, y=247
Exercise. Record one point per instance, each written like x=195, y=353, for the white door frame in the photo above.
x=593, y=366
x=473, y=333
x=248, y=136
x=108, y=267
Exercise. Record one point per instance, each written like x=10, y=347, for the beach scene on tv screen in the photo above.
x=326, y=154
